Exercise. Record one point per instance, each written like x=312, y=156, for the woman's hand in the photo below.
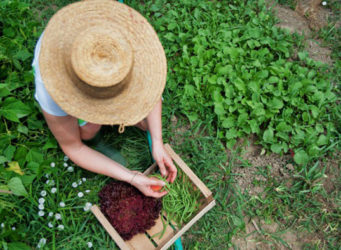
x=165, y=163
x=144, y=183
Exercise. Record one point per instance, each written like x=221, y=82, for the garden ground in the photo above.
x=264, y=200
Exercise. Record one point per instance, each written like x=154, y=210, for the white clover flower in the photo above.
x=87, y=206
x=84, y=179
x=65, y=164
x=13, y=228
x=50, y=214
x=89, y=244
x=41, y=200
x=79, y=182
x=41, y=243
x=53, y=190
x=66, y=158
x=43, y=193
x=74, y=184
x=70, y=169
x=61, y=227
x=58, y=216
x=41, y=213
x=41, y=206
x=2, y=225
x=62, y=204
x=47, y=176
x=324, y=3
x=50, y=225
x=52, y=164
x=87, y=191
x=80, y=194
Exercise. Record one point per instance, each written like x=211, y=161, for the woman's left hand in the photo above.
x=165, y=163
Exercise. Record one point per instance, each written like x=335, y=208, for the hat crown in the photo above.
x=101, y=56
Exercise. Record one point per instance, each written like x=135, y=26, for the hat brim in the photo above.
x=147, y=78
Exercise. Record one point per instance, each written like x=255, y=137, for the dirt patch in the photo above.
x=333, y=167
x=291, y=21
x=255, y=160
x=317, y=52
x=294, y=22
x=260, y=235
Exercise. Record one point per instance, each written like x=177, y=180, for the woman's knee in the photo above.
x=88, y=131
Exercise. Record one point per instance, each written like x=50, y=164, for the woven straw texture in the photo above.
x=101, y=61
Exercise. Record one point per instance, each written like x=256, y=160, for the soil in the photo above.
x=295, y=22
x=257, y=236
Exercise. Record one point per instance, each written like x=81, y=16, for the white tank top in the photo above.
x=41, y=95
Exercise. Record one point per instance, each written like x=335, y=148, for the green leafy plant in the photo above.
x=236, y=69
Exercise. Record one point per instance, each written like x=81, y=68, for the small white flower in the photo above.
x=84, y=179
x=61, y=227
x=70, y=169
x=41, y=200
x=53, y=190
x=13, y=228
x=41, y=243
x=66, y=158
x=87, y=206
x=65, y=164
x=2, y=225
x=79, y=182
x=62, y=204
x=41, y=206
x=50, y=225
x=43, y=193
x=41, y=213
x=89, y=244
x=50, y=182
x=80, y=194
x=47, y=176
x=74, y=184
x=50, y=214
x=87, y=191
x=58, y=216
x=52, y=164
x=324, y=3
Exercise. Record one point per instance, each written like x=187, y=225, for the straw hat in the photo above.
x=101, y=61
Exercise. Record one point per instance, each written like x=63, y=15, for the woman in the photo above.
x=102, y=62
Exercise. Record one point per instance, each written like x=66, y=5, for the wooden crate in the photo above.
x=144, y=241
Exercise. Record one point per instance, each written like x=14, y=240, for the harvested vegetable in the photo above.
x=181, y=202
x=127, y=209
x=155, y=187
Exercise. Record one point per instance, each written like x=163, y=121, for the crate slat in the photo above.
x=202, y=187
x=158, y=227
x=109, y=228
x=140, y=242
x=187, y=226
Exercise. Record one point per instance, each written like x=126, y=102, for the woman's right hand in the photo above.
x=144, y=183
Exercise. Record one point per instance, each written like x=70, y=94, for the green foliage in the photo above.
x=230, y=60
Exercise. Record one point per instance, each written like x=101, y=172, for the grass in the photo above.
x=300, y=203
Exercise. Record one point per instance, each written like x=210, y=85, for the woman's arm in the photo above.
x=165, y=163
x=66, y=131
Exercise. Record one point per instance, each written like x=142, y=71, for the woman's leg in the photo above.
x=143, y=125
x=88, y=131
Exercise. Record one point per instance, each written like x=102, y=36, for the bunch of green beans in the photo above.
x=181, y=202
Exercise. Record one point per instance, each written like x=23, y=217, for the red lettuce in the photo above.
x=127, y=209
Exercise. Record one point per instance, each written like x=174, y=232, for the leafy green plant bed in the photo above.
x=235, y=69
